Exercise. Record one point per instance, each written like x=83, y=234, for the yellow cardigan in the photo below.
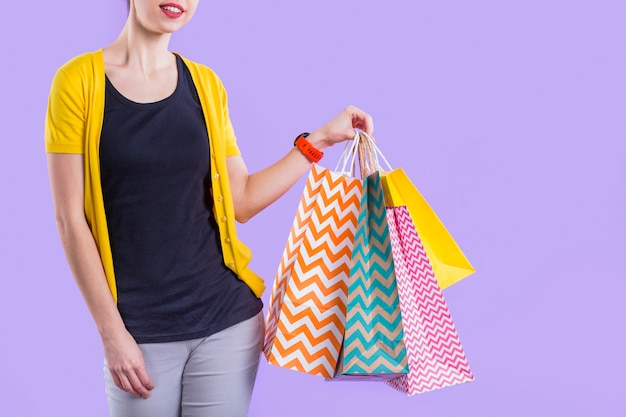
x=73, y=125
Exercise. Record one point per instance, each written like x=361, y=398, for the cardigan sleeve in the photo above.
x=229, y=132
x=65, y=117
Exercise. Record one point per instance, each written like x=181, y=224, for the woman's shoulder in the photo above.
x=80, y=71
x=83, y=62
x=78, y=74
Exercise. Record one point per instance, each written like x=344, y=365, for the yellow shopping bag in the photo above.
x=448, y=261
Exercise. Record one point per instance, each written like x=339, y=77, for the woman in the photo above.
x=147, y=183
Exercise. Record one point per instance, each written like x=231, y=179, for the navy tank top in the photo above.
x=171, y=279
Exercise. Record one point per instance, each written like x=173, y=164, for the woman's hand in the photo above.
x=252, y=193
x=124, y=358
x=342, y=128
x=126, y=364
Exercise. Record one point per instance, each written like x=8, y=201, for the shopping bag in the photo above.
x=448, y=261
x=373, y=344
x=435, y=356
x=306, y=312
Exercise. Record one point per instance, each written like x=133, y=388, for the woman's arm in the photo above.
x=124, y=358
x=253, y=192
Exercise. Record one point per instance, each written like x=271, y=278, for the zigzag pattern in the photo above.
x=436, y=357
x=374, y=338
x=306, y=318
x=296, y=234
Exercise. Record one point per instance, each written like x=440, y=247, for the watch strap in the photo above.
x=310, y=151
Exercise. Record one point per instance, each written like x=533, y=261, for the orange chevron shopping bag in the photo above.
x=307, y=308
x=435, y=355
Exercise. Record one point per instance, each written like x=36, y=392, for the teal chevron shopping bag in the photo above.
x=373, y=344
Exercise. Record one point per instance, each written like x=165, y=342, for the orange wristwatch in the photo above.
x=307, y=149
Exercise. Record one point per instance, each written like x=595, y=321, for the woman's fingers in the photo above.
x=133, y=381
x=360, y=119
x=342, y=127
x=127, y=366
x=117, y=381
x=137, y=386
x=144, y=378
x=122, y=382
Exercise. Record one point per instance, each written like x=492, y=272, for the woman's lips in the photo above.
x=172, y=10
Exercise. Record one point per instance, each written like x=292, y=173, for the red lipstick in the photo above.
x=172, y=10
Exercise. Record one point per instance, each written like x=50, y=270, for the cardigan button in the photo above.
x=227, y=240
x=223, y=218
x=216, y=176
x=220, y=198
x=231, y=264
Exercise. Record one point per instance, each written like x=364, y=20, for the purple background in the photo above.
x=509, y=116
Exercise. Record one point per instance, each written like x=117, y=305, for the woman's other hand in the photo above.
x=124, y=357
x=125, y=362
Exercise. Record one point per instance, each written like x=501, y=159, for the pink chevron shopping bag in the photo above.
x=307, y=308
x=435, y=355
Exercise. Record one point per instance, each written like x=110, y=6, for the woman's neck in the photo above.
x=139, y=49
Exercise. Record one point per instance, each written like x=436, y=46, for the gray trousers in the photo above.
x=207, y=377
